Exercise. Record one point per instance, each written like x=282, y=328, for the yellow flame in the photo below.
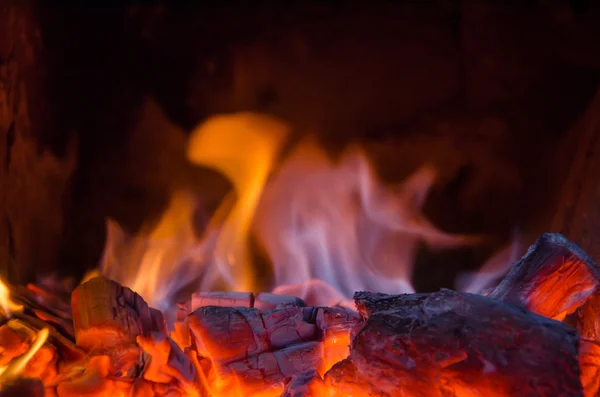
x=162, y=258
x=17, y=366
x=175, y=222
x=149, y=261
x=7, y=305
x=90, y=275
x=243, y=147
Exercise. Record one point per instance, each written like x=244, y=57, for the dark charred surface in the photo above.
x=439, y=344
x=531, y=285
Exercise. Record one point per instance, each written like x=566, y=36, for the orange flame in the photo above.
x=160, y=260
x=147, y=262
x=329, y=228
x=7, y=305
x=243, y=147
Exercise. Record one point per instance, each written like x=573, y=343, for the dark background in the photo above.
x=485, y=90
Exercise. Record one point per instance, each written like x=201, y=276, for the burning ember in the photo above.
x=331, y=231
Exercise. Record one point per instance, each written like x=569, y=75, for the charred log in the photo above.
x=225, y=333
x=68, y=349
x=585, y=319
x=107, y=319
x=305, y=384
x=262, y=349
x=270, y=369
x=263, y=300
x=108, y=314
x=225, y=299
x=553, y=279
x=589, y=364
x=167, y=364
x=338, y=327
x=46, y=307
x=267, y=301
x=450, y=343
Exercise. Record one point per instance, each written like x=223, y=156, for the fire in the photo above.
x=7, y=305
x=334, y=221
x=17, y=366
x=329, y=227
x=163, y=258
x=243, y=147
x=145, y=262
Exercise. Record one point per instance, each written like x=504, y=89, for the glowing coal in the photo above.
x=330, y=229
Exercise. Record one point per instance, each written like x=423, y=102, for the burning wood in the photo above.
x=168, y=365
x=553, y=279
x=266, y=301
x=446, y=343
x=589, y=361
x=106, y=315
x=450, y=343
x=305, y=384
x=260, y=349
x=225, y=299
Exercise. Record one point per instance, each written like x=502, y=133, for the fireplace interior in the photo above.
x=299, y=198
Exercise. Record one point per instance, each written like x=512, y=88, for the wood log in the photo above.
x=287, y=326
x=553, y=279
x=168, y=364
x=338, y=326
x=270, y=369
x=225, y=299
x=107, y=319
x=158, y=322
x=304, y=384
x=334, y=320
x=585, y=319
x=589, y=364
x=106, y=314
x=227, y=333
x=266, y=301
x=68, y=349
x=261, y=349
x=47, y=299
x=450, y=343
x=46, y=307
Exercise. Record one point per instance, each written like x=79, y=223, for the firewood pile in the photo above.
x=535, y=334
